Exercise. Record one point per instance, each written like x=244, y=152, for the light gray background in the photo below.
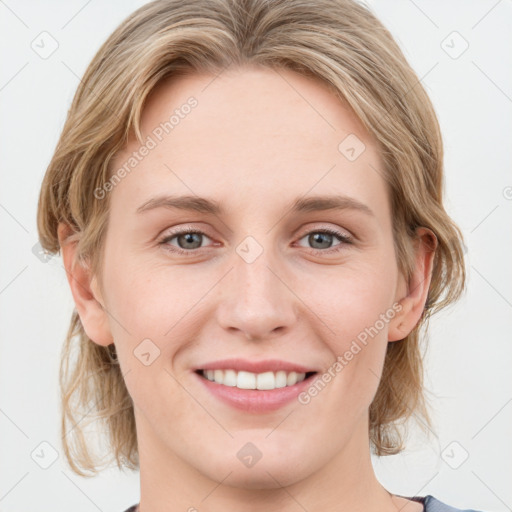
x=470, y=354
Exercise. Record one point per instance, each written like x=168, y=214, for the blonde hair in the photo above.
x=340, y=43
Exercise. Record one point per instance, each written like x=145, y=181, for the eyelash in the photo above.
x=343, y=238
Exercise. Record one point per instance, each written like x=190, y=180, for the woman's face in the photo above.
x=257, y=279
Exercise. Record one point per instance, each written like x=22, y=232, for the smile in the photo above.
x=240, y=389
x=248, y=380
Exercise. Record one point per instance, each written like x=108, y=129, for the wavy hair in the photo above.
x=339, y=42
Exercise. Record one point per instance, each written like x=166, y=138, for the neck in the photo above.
x=346, y=483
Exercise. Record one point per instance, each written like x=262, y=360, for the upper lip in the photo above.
x=267, y=365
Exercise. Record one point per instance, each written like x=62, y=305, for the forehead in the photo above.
x=259, y=132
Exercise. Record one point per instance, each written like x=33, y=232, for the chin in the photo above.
x=266, y=476
x=275, y=469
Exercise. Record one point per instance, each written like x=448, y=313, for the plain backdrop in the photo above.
x=461, y=51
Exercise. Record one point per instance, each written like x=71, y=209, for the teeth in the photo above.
x=229, y=378
x=248, y=380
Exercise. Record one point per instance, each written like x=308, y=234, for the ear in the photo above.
x=413, y=295
x=85, y=291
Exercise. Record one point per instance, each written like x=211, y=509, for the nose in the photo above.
x=256, y=299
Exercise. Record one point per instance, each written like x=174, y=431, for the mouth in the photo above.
x=255, y=386
x=244, y=380
x=255, y=393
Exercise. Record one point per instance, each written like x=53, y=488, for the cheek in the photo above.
x=158, y=291
x=353, y=301
x=164, y=305
x=357, y=307
x=160, y=302
x=151, y=303
x=152, y=322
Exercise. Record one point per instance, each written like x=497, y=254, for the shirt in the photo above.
x=430, y=504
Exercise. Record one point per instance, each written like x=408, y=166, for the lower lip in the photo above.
x=255, y=400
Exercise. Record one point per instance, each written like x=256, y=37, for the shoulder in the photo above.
x=432, y=504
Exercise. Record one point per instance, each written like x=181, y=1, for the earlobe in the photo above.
x=413, y=303
x=88, y=301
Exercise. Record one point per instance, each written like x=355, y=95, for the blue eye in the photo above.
x=324, y=237
x=190, y=239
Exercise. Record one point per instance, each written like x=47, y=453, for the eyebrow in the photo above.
x=300, y=205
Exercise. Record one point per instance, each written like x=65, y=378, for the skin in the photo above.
x=257, y=140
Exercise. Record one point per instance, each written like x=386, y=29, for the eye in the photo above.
x=187, y=241
x=323, y=239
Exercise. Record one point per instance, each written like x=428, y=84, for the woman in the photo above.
x=248, y=201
